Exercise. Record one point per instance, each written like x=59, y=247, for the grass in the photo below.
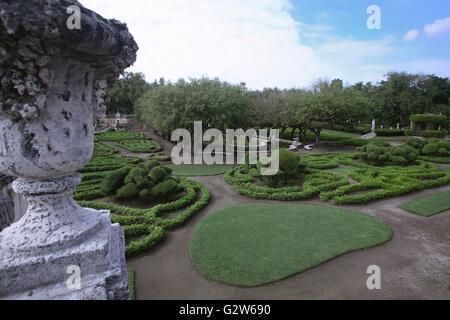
x=199, y=170
x=429, y=206
x=254, y=245
x=334, y=133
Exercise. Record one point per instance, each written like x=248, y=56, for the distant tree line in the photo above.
x=166, y=106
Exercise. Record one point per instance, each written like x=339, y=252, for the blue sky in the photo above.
x=347, y=18
x=284, y=43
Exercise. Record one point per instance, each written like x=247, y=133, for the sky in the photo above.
x=284, y=43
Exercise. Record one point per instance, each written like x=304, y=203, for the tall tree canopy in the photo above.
x=403, y=94
x=177, y=105
x=167, y=106
x=125, y=92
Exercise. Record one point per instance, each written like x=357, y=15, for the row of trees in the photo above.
x=167, y=106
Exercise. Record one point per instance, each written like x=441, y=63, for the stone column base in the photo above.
x=100, y=260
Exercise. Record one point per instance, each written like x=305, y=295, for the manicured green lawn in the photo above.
x=199, y=170
x=429, y=206
x=253, y=245
x=333, y=133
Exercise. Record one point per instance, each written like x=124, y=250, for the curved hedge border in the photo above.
x=440, y=160
x=141, y=146
x=315, y=183
x=389, y=182
x=148, y=223
x=118, y=136
x=375, y=183
x=390, y=132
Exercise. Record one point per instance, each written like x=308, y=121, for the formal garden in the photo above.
x=232, y=226
x=246, y=244
x=95, y=205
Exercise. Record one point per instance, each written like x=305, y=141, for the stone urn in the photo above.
x=53, y=83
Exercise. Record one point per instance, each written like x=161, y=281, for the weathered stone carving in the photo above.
x=6, y=204
x=53, y=81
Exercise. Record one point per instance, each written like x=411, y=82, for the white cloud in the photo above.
x=437, y=27
x=411, y=35
x=252, y=41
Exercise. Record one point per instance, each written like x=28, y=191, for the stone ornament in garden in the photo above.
x=53, y=83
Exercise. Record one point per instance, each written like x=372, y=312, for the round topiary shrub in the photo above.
x=431, y=149
x=444, y=145
x=157, y=174
x=146, y=194
x=290, y=168
x=380, y=154
x=128, y=191
x=417, y=143
x=443, y=152
x=165, y=189
x=114, y=181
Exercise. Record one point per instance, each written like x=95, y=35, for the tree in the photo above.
x=178, y=105
x=403, y=94
x=326, y=105
x=125, y=92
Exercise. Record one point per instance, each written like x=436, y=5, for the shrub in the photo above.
x=443, y=152
x=165, y=189
x=381, y=153
x=389, y=133
x=152, y=164
x=290, y=167
x=145, y=194
x=407, y=152
x=434, y=134
x=428, y=118
x=417, y=143
x=444, y=145
x=157, y=174
x=431, y=149
x=141, y=146
x=409, y=132
x=128, y=191
x=119, y=136
x=114, y=181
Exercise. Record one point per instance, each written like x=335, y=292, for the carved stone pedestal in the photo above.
x=53, y=81
x=55, y=235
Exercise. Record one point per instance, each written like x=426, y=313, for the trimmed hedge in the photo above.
x=387, y=183
x=141, y=146
x=390, y=133
x=434, y=134
x=374, y=183
x=420, y=118
x=381, y=153
x=314, y=184
x=118, y=136
x=148, y=224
